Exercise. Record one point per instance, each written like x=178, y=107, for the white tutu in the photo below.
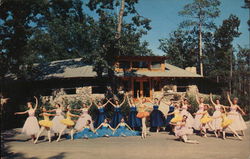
x=217, y=120
x=31, y=126
x=238, y=122
x=81, y=122
x=197, y=123
x=183, y=130
x=58, y=126
x=190, y=119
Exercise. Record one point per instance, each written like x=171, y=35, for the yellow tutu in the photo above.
x=46, y=122
x=68, y=120
x=206, y=119
x=225, y=121
x=177, y=117
x=142, y=114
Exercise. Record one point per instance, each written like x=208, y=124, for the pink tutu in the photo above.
x=217, y=120
x=31, y=126
x=238, y=122
x=183, y=130
x=197, y=123
x=81, y=122
x=190, y=119
x=58, y=126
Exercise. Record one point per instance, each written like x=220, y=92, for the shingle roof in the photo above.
x=76, y=68
x=170, y=71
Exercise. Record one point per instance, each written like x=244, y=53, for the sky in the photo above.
x=165, y=19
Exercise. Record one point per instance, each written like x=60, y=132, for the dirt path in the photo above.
x=156, y=146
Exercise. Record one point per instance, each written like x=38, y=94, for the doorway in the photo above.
x=142, y=88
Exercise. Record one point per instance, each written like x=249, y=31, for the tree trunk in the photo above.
x=120, y=18
x=200, y=49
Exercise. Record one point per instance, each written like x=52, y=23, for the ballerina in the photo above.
x=143, y=114
x=86, y=133
x=169, y=127
x=31, y=126
x=238, y=122
x=205, y=120
x=101, y=116
x=57, y=125
x=45, y=124
x=197, y=123
x=124, y=130
x=117, y=112
x=68, y=123
x=84, y=117
x=157, y=118
x=133, y=121
x=182, y=130
x=104, y=129
x=216, y=123
x=226, y=124
x=177, y=117
x=184, y=111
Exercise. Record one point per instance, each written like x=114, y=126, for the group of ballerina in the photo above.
x=178, y=119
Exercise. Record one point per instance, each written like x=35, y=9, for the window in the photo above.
x=156, y=64
x=124, y=64
x=140, y=64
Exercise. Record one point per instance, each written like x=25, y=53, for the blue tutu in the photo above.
x=169, y=117
x=116, y=117
x=85, y=133
x=133, y=121
x=100, y=118
x=157, y=118
x=104, y=131
x=124, y=131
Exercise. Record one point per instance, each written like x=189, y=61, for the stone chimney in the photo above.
x=191, y=69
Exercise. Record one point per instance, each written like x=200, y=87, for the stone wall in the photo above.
x=59, y=96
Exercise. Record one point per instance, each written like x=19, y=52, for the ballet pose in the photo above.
x=101, y=116
x=238, y=122
x=170, y=116
x=133, y=121
x=226, y=124
x=143, y=114
x=157, y=118
x=31, y=126
x=124, y=130
x=86, y=133
x=184, y=111
x=216, y=123
x=177, y=116
x=68, y=123
x=57, y=125
x=198, y=114
x=182, y=130
x=104, y=130
x=84, y=117
x=205, y=120
x=45, y=124
x=117, y=112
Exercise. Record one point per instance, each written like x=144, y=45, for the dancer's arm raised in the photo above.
x=228, y=98
x=197, y=99
x=211, y=99
x=36, y=102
